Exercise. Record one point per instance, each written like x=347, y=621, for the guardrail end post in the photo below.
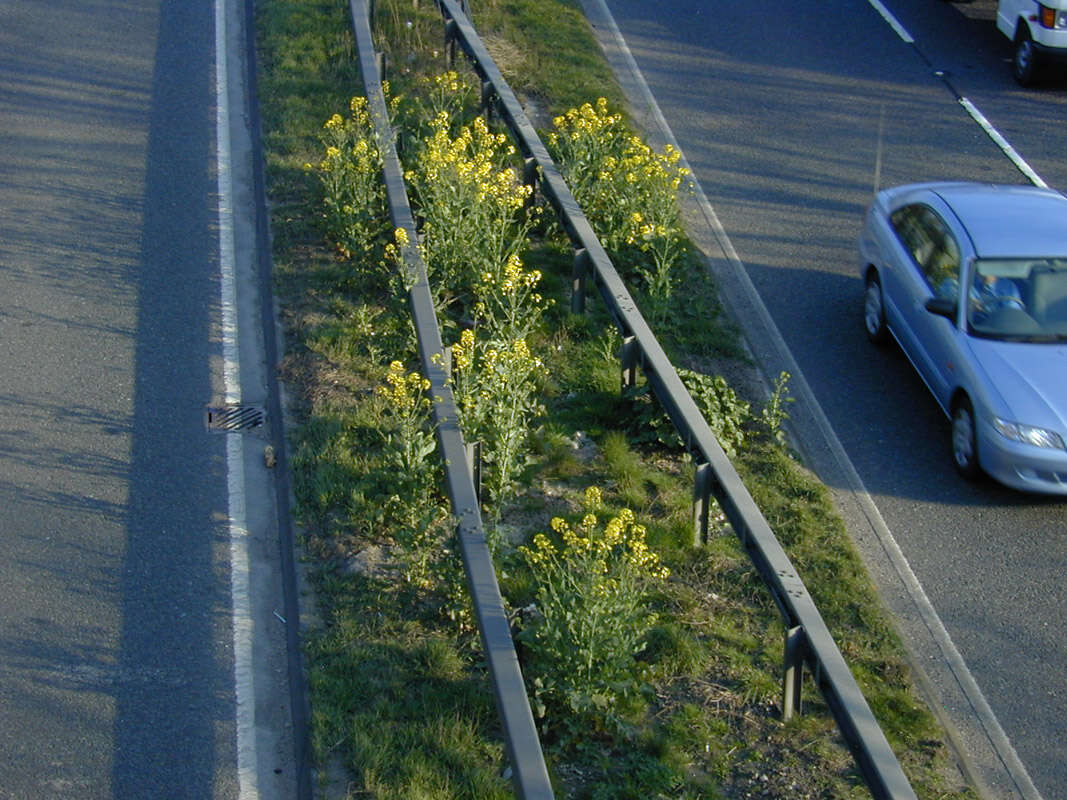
x=628, y=361
x=793, y=676
x=701, y=503
x=578, y=276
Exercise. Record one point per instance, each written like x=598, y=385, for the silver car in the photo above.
x=996, y=362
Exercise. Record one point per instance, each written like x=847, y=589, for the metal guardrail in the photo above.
x=529, y=773
x=808, y=641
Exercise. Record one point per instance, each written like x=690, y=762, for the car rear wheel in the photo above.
x=1024, y=63
x=874, y=310
x=964, y=441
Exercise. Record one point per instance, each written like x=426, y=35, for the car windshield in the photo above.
x=1019, y=299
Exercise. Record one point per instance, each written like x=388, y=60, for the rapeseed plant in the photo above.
x=628, y=191
x=354, y=210
x=472, y=206
x=415, y=513
x=495, y=384
x=593, y=616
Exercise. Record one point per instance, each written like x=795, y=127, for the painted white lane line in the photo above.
x=1001, y=745
x=968, y=106
x=1002, y=143
x=894, y=23
x=247, y=762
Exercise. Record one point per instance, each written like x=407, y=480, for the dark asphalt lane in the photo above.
x=115, y=666
x=778, y=109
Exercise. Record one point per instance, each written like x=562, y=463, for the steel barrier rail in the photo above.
x=529, y=773
x=807, y=640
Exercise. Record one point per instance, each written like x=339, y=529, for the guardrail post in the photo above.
x=474, y=459
x=628, y=357
x=451, y=29
x=530, y=175
x=701, y=502
x=793, y=676
x=488, y=93
x=578, y=276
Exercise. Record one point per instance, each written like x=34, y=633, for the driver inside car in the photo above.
x=991, y=293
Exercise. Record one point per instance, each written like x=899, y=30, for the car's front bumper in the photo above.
x=1051, y=55
x=1051, y=46
x=1022, y=466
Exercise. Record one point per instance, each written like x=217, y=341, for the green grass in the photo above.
x=399, y=692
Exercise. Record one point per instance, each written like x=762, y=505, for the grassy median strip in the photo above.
x=653, y=667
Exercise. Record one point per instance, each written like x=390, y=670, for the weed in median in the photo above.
x=590, y=620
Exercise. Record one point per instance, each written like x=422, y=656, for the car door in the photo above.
x=932, y=264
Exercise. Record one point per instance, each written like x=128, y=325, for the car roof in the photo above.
x=1003, y=220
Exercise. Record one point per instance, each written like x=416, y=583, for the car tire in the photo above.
x=1024, y=61
x=874, y=310
x=965, y=440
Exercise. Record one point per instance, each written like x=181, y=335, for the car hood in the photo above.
x=1030, y=379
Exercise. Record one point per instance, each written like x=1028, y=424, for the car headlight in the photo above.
x=1028, y=434
x=1051, y=17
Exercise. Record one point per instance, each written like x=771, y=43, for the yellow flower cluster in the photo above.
x=349, y=138
x=405, y=390
x=627, y=189
x=587, y=120
x=640, y=163
x=473, y=158
x=446, y=82
x=508, y=360
x=622, y=541
x=512, y=279
x=463, y=350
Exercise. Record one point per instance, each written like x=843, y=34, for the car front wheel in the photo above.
x=874, y=310
x=964, y=441
x=1024, y=63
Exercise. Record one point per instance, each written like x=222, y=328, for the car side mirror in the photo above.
x=942, y=306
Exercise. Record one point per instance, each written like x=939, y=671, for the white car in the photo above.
x=1039, y=32
x=971, y=280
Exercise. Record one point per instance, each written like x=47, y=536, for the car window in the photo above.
x=1019, y=299
x=931, y=244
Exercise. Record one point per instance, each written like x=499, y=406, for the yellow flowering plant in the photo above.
x=593, y=618
x=472, y=204
x=414, y=514
x=446, y=93
x=408, y=405
x=350, y=171
x=495, y=384
x=507, y=304
x=628, y=191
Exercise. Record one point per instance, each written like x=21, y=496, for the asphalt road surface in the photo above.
x=123, y=622
x=787, y=112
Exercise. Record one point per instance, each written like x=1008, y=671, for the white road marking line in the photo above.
x=1002, y=143
x=901, y=31
x=971, y=109
x=247, y=761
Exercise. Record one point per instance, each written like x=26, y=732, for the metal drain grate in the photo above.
x=234, y=418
